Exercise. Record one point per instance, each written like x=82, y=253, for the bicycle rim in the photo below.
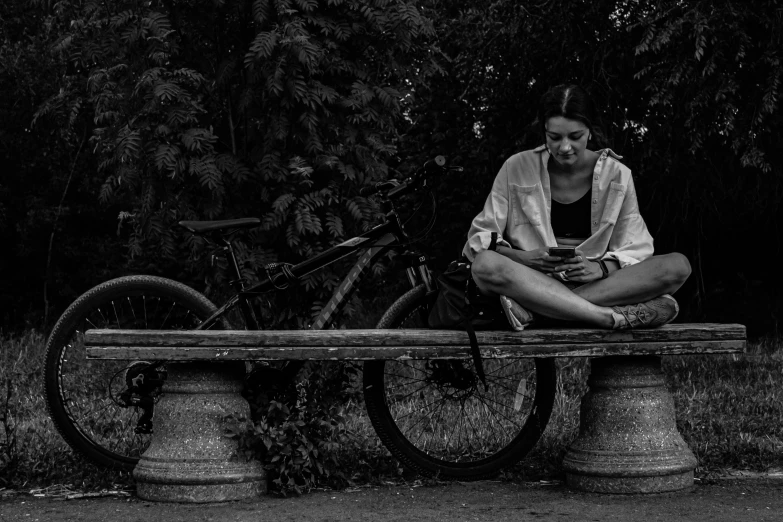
x=82, y=395
x=437, y=418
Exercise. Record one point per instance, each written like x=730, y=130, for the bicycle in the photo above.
x=433, y=415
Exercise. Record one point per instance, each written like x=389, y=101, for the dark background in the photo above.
x=119, y=119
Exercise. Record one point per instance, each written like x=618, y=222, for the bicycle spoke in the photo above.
x=513, y=362
x=144, y=305
x=465, y=430
x=83, y=414
x=81, y=393
x=401, y=376
x=103, y=318
x=466, y=420
x=155, y=312
x=483, y=398
x=487, y=400
x=168, y=314
x=473, y=426
x=512, y=390
x=114, y=308
x=420, y=410
x=414, y=368
x=93, y=324
x=436, y=424
x=133, y=310
x=126, y=426
x=448, y=440
x=499, y=414
x=407, y=383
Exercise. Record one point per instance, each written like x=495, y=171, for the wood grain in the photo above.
x=191, y=353
x=270, y=345
x=413, y=338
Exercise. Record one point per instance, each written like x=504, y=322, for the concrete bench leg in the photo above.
x=189, y=459
x=628, y=440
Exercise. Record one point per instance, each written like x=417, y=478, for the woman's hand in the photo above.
x=538, y=259
x=578, y=269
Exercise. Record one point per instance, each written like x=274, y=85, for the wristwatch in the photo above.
x=604, y=269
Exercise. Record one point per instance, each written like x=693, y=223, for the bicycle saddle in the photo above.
x=202, y=227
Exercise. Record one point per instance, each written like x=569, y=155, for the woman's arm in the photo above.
x=582, y=270
x=537, y=259
x=630, y=242
x=491, y=220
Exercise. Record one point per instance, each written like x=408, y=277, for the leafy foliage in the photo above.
x=481, y=108
x=56, y=240
x=204, y=109
x=711, y=74
x=277, y=108
x=212, y=110
x=689, y=95
x=284, y=109
x=297, y=429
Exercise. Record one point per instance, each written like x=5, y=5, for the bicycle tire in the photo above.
x=455, y=431
x=79, y=392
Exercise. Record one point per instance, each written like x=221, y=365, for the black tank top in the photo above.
x=572, y=220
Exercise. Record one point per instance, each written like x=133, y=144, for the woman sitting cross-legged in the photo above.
x=565, y=194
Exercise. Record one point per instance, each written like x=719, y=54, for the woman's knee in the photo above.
x=488, y=269
x=678, y=268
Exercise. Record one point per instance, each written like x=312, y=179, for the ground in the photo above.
x=756, y=500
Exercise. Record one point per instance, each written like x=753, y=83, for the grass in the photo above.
x=32, y=453
x=729, y=410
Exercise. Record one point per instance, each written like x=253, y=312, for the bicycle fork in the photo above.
x=418, y=271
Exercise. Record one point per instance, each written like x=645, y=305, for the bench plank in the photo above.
x=409, y=344
x=424, y=337
x=365, y=353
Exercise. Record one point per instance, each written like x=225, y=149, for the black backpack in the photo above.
x=456, y=308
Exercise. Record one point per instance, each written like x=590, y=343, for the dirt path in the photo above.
x=724, y=500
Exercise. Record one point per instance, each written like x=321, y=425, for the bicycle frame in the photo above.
x=376, y=241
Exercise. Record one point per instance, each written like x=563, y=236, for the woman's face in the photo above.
x=566, y=140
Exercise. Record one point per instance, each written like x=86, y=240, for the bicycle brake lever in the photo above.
x=379, y=187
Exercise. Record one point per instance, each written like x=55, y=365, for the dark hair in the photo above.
x=572, y=102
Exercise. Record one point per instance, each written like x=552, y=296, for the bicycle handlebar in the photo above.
x=395, y=188
x=378, y=187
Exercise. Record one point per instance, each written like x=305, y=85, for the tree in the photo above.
x=689, y=93
x=216, y=109
x=284, y=109
x=710, y=73
x=498, y=59
x=55, y=240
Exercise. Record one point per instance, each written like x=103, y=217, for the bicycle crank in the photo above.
x=143, y=384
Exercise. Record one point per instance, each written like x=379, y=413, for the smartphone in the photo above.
x=564, y=252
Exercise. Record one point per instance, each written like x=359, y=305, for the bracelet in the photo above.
x=604, y=269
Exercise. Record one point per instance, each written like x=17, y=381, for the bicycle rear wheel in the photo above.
x=438, y=419
x=82, y=395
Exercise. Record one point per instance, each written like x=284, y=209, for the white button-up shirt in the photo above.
x=520, y=205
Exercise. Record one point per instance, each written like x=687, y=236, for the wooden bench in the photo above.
x=628, y=441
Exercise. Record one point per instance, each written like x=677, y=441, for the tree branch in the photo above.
x=54, y=229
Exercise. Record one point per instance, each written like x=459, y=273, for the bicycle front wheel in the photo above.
x=437, y=418
x=83, y=395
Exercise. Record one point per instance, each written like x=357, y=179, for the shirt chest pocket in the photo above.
x=527, y=204
x=614, y=203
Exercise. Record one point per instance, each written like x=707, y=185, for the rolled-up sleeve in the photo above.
x=630, y=242
x=491, y=219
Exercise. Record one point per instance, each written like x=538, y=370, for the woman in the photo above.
x=564, y=193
